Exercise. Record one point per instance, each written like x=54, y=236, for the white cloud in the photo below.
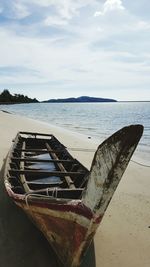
x=65, y=8
x=44, y=3
x=20, y=11
x=55, y=21
x=110, y=5
x=143, y=25
x=15, y=10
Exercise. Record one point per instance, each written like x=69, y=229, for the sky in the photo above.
x=69, y=48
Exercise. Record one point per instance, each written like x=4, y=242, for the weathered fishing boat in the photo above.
x=64, y=199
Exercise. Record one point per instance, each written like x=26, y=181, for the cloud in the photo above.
x=66, y=9
x=55, y=21
x=19, y=10
x=50, y=62
x=110, y=5
x=14, y=10
x=61, y=47
x=44, y=3
x=143, y=25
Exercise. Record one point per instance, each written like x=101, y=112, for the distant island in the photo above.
x=81, y=99
x=7, y=98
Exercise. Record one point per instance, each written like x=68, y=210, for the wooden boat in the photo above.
x=65, y=200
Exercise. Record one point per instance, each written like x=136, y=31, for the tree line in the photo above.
x=7, y=97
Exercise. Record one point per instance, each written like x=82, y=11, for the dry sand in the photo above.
x=123, y=238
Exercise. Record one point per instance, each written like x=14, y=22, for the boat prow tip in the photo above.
x=140, y=130
x=135, y=128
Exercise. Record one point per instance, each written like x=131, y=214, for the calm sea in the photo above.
x=98, y=120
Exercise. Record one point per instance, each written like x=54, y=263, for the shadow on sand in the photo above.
x=21, y=243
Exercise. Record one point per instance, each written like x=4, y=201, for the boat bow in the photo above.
x=108, y=166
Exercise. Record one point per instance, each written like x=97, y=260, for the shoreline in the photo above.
x=122, y=238
x=140, y=156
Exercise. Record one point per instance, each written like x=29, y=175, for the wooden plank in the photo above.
x=59, y=190
x=67, y=177
x=47, y=172
x=54, y=184
x=22, y=176
x=42, y=160
x=37, y=150
x=34, y=133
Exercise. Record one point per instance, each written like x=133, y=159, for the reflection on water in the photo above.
x=44, y=166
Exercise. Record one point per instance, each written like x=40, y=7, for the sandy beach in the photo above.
x=122, y=239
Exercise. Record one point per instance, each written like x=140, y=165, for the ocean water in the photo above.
x=97, y=120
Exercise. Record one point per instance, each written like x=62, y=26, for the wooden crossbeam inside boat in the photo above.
x=59, y=190
x=39, y=134
x=53, y=184
x=46, y=172
x=42, y=160
x=38, y=150
x=68, y=179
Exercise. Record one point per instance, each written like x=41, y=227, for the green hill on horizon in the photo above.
x=7, y=98
x=81, y=99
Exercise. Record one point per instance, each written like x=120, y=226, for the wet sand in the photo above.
x=123, y=238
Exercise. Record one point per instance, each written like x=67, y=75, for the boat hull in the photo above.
x=69, y=212
x=69, y=228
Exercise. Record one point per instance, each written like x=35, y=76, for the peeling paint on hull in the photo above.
x=68, y=232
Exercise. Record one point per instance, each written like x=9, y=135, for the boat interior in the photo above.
x=40, y=164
